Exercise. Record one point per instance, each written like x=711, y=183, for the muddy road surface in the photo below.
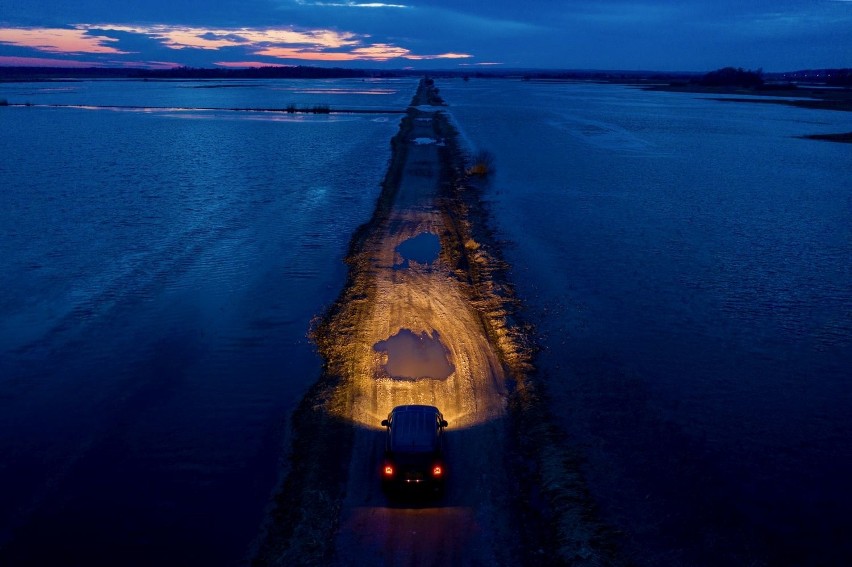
x=426, y=319
x=426, y=300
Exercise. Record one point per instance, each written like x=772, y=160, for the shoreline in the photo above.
x=804, y=97
x=843, y=138
x=838, y=100
x=539, y=507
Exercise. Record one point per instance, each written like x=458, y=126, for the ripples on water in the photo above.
x=352, y=93
x=688, y=264
x=159, y=278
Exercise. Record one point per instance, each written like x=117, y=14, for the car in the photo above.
x=414, y=449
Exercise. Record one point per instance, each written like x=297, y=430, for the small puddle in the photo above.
x=423, y=249
x=412, y=356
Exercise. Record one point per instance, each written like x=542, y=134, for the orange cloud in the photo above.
x=58, y=40
x=441, y=56
x=304, y=54
x=351, y=4
x=182, y=37
x=374, y=52
x=329, y=39
x=248, y=64
x=380, y=52
x=280, y=43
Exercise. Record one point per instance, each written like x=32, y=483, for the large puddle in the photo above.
x=423, y=249
x=411, y=356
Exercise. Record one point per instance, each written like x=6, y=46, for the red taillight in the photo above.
x=437, y=470
x=388, y=470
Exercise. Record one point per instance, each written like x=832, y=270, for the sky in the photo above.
x=663, y=35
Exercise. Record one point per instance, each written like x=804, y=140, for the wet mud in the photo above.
x=431, y=325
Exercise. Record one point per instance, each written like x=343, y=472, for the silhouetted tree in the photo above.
x=839, y=77
x=732, y=77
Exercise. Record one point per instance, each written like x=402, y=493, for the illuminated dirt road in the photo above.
x=427, y=317
x=468, y=525
x=422, y=298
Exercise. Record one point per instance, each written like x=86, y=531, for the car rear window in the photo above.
x=413, y=430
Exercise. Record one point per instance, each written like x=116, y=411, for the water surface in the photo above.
x=422, y=249
x=159, y=276
x=687, y=263
x=411, y=356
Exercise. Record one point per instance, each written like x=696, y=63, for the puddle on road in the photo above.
x=411, y=356
x=423, y=249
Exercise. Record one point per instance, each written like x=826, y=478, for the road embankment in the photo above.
x=515, y=492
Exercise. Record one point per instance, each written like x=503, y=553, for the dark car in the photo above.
x=414, y=449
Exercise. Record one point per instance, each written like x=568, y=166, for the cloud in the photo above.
x=248, y=64
x=59, y=40
x=475, y=23
x=282, y=43
x=351, y=4
x=688, y=34
x=183, y=37
x=787, y=24
x=374, y=52
x=304, y=54
x=449, y=55
x=628, y=13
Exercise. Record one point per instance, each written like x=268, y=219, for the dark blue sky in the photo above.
x=578, y=34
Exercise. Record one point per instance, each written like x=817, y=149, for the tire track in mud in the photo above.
x=514, y=494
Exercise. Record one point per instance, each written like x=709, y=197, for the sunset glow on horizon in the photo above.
x=277, y=43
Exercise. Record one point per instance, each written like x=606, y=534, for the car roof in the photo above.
x=414, y=427
x=414, y=408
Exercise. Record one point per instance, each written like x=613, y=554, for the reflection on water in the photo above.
x=423, y=249
x=686, y=263
x=412, y=356
x=272, y=93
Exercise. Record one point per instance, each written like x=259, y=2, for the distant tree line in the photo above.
x=834, y=77
x=732, y=77
x=591, y=75
x=728, y=76
x=839, y=77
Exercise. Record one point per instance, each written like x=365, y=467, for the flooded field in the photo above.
x=160, y=273
x=686, y=264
